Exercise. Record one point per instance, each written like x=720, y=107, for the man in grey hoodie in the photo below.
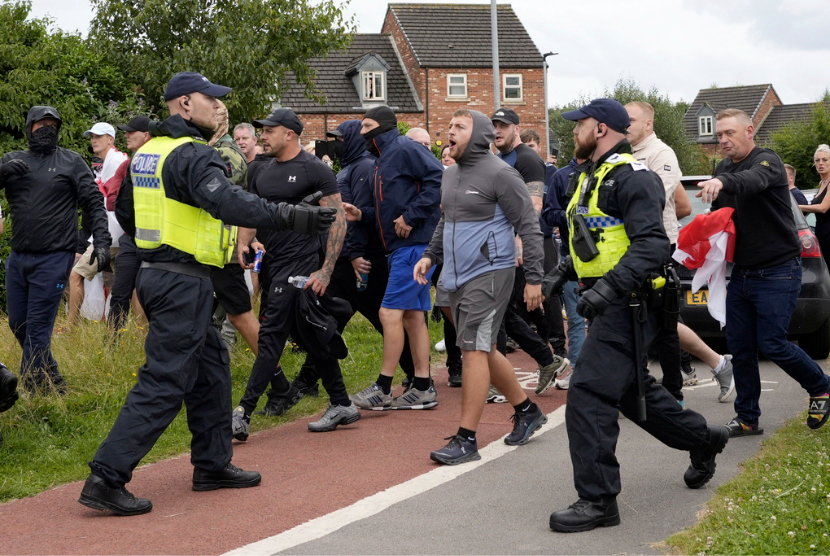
x=483, y=201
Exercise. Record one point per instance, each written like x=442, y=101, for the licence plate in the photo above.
x=701, y=297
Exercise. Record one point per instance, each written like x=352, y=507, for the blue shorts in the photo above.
x=402, y=291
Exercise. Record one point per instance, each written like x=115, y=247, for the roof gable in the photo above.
x=459, y=36
x=338, y=87
x=781, y=116
x=746, y=98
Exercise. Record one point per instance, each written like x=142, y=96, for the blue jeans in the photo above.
x=758, y=311
x=35, y=283
x=576, y=324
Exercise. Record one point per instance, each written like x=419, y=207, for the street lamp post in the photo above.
x=494, y=32
x=547, y=114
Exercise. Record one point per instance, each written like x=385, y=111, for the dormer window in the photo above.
x=373, y=85
x=705, y=125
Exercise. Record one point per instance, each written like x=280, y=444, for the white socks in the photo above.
x=720, y=366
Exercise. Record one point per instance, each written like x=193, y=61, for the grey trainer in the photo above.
x=416, y=399
x=240, y=424
x=335, y=415
x=549, y=373
x=372, y=398
x=494, y=396
x=726, y=380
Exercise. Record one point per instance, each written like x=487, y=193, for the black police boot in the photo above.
x=8, y=388
x=98, y=495
x=455, y=376
x=585, y=515
x=703, y=461
x=229, y=477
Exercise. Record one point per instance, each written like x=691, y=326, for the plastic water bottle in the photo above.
x=297, y=281
x=362, y=282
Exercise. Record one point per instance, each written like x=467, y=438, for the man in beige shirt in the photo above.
x=660, y=158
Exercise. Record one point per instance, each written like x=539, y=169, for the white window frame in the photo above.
x=505, y=86
x=377, y=77
x=705, y=126
x=450, y=84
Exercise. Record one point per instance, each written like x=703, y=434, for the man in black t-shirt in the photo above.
x=532, y=169
x=290, y=176
x=766, y=276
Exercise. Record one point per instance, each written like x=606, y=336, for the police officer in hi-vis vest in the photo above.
x=620, y=253
x=181, y=198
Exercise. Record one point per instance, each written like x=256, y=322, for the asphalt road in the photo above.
x=502, y=506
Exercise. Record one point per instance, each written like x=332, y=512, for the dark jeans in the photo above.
x=127, y=263
x=35, y=283
x=186, y=363
x=758, y=311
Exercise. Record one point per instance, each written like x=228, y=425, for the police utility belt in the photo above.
x=599, y=241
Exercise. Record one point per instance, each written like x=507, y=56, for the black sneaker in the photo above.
x=98, y=495
x=458, y=450
x=455, y=377
x=306, y=389
x=525, y=423
x=279, y=404
x=703, y=461
x=229, y=477
x=585, y=515
x=739, y=428
x=8, y=388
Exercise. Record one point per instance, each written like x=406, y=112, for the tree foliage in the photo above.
x=796, y=144
x=668, y=125
x=249, y=45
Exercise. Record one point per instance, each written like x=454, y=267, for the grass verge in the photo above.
x=779, y=504
x=50, y=439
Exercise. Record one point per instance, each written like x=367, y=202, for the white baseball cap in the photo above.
x=101, y=128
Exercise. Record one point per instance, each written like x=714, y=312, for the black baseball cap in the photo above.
x=284, y=117
x=604, y=110
x=188, y=82
x=139, y=123
x=335, y=133
x=505, y=115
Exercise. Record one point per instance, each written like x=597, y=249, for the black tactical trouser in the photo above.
x=602, y=385
x=515, y=326
x=343, y=284
x=186, y=362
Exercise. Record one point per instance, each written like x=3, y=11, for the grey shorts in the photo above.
x=478, y=308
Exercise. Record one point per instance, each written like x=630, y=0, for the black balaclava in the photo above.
x=44, y=140
x=386, y=120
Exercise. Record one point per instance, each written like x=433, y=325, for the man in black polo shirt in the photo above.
x=291, y=175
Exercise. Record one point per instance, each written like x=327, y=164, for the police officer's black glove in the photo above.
x=102, y=254
x=13, y=168
x=595, y=301
x=305, y=219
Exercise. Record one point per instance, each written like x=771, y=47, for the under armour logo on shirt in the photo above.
x=292, y=179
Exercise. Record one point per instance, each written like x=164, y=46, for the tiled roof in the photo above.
x=458, y=35
x=339, y=90
x=779, y=117
x=746, y=98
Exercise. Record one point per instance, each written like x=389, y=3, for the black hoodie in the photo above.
x=44, y=202
x=194, y=174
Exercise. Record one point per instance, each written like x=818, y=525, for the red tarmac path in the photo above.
x=304, y=476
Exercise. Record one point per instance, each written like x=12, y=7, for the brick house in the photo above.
x=757, y=101
x=428, y=61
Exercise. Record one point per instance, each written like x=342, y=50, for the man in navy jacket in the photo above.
x=406, y=192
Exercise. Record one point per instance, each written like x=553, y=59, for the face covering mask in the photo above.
x=44, y=140
x=369, y=139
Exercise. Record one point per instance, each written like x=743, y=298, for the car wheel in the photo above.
x=817, y=344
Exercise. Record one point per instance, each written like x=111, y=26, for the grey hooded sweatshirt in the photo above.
x=484, y=200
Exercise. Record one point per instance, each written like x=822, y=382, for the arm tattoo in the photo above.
x=537, y=191
x=337, y=232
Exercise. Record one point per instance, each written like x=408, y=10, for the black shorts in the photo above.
x=231, y=290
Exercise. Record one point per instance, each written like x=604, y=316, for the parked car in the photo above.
x=810, y=324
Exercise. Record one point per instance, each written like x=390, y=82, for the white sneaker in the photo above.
x=441, y=346
x=563, y=383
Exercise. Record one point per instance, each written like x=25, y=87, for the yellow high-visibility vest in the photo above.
x=160, y=220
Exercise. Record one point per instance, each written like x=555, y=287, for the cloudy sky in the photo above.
x=678, y=46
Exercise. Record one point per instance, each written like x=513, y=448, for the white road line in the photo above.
x=372, y=505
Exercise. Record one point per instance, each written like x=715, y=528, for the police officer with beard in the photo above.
x=618, y=246
x=181, y=199
x=45, y=185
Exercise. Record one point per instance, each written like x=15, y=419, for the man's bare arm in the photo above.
x=319, y=280
x=537, y=193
